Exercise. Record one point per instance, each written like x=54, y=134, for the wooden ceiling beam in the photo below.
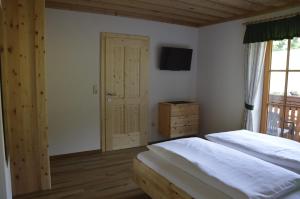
x=149, y=5
x=184, y=12
x=99, y=10
x=226, y=5
x=207, y=4
x=265, y=11
x=272, y=3
x=129, y=9
x=181, y=5
x=241, y=4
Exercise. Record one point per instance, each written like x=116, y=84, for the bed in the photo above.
x=280, y=151
x=159, y=178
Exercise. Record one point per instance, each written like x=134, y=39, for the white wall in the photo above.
x=72, y=58
x=221, y=76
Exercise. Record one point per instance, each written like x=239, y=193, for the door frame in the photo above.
x=103, y=36
x=266, y=87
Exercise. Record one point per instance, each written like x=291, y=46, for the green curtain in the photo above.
x=273, y=30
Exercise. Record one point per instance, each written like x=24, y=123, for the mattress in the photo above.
x=186, y=182
x=280, y=151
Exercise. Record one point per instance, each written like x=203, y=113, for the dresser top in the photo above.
x=178, y=102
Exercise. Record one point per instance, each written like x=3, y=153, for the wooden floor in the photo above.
x=93, y=175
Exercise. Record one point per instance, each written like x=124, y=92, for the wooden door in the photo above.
x=124, y=80
x=281, y=97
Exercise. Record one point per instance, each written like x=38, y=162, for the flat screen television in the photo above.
x=175, y=59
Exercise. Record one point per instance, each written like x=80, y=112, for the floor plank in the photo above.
x=93, y=175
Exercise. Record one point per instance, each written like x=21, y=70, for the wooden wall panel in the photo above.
x=24, y=94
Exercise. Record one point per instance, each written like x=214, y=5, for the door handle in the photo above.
x=111, y=94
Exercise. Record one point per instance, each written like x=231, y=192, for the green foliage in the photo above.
x=282, y=44
x=295, y=43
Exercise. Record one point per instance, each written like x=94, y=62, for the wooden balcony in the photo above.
x=286, y=119
x=289, y=119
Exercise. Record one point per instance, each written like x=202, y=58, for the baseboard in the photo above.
x=69, y=155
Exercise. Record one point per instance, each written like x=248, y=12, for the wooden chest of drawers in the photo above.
x=178, y=119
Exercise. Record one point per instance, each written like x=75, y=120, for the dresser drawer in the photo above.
x=180, y=131
x=178, y=119
x=184, y=109
x=184, y=121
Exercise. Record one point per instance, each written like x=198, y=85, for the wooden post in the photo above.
x=24, y=93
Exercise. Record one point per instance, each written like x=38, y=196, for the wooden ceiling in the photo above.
x=185, y=12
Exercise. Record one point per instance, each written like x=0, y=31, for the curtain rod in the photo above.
x=271, y=18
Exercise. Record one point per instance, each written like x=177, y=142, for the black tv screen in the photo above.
x=175, y=58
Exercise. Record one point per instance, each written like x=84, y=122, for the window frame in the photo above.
x=266, y=83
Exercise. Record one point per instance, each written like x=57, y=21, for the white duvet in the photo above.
x=237, y=174
x=277, y=150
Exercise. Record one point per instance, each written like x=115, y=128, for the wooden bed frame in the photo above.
x=155, y=185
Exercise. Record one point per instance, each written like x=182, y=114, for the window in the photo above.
x=281, y=98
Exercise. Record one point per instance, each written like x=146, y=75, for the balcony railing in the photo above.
x=287, y=123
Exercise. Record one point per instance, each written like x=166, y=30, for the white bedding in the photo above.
x=277, y=150
x=232, y=172
x=186, y=182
